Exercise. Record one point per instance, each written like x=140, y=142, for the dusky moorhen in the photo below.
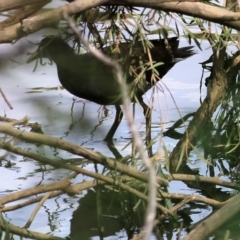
x=86, y=77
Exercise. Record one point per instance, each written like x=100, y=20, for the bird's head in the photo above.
x=43, y=49
x=50, y=47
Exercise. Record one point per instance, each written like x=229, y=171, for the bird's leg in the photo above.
x=148, y=116
x=114, y=150
x=117, y=121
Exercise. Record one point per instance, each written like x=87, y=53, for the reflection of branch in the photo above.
x=151, y=206
x=175, y=208
x=26, y=193
x=177, y=124
x=162, y=217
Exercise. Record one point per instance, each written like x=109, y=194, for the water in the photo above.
x=83, y=123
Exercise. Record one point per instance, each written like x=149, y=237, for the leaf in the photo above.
x=155, y=65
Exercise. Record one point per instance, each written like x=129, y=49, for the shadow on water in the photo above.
x=117, y=215
x=121, y=215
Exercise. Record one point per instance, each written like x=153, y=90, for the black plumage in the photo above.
x=86, y=77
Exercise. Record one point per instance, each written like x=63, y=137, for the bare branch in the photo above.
x=15, y=4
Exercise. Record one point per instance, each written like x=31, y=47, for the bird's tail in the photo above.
x=183, y=53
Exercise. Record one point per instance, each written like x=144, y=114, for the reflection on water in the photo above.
x=116, y=215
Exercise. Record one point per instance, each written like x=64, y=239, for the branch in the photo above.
x=23, y=13
x=73, y=189
x=49, y=187
x=78, y=150
x=27, y=233
x=13, y=4
x=202, y=179
x=197, y=9
x=60, y=185
x=205, y=228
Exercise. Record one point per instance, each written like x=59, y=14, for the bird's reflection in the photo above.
x=117, y=215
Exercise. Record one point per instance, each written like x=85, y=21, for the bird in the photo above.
x=85, y=76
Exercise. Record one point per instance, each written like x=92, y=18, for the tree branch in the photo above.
x=197, y=9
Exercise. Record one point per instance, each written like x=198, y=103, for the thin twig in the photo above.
x=5, y=98
x=30, y=220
